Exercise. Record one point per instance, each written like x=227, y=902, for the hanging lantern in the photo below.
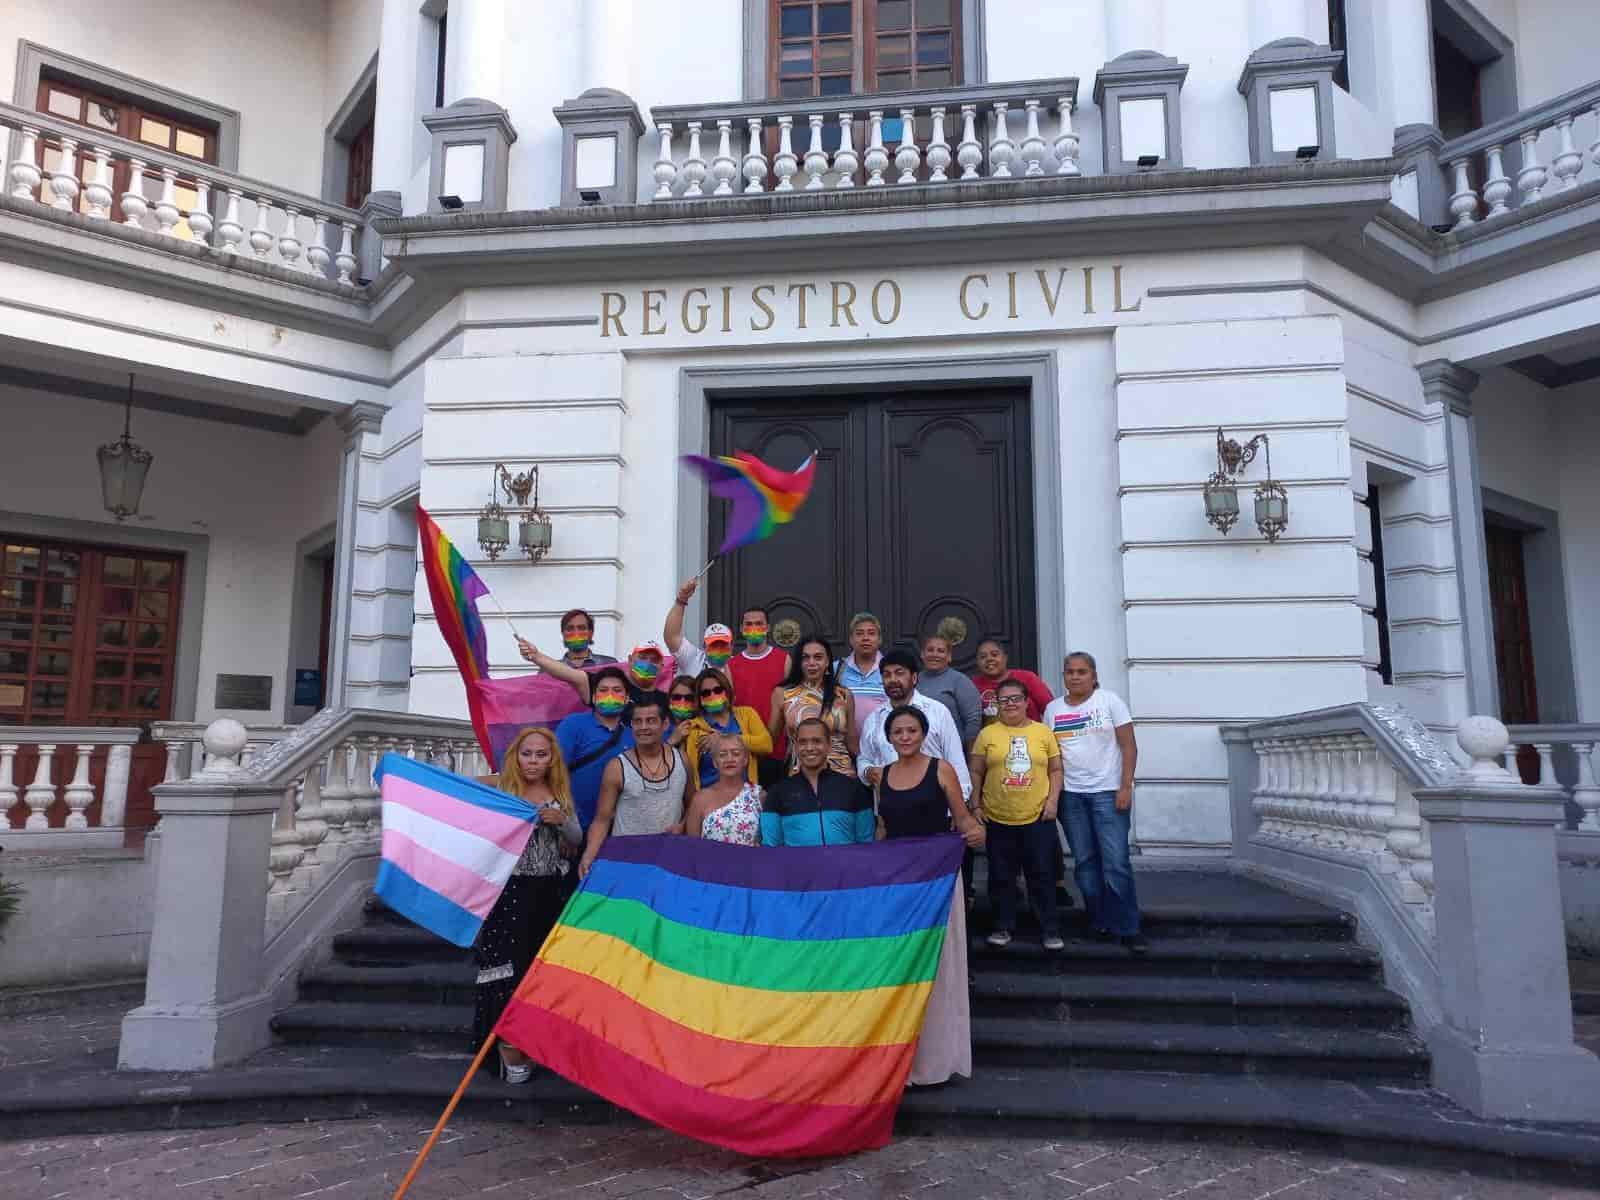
x=1221, y=494
x=124, y=464
x=1222, y=501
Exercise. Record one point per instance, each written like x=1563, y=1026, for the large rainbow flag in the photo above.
x=763, y=497
x=454, y=589
x=765, y=999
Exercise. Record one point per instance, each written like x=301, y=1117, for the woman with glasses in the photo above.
x=718, y=714
x=729, y=808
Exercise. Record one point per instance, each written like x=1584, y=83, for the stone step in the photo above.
x=423, y=982
x=1177, y=921
x=1003, y=1042
x=1330, y=1003
x=405, y=1027
x=1219, y=955
x=383, y=941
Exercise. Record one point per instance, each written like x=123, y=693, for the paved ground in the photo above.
x=358, y=1160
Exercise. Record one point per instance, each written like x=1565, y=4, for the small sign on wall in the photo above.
x=251, y=692
x=307, y=688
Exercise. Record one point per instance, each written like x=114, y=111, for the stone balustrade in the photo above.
x=1499, y=169
x=67, y=167
x=932, y=136
x=86, y=810
x=1580, y=742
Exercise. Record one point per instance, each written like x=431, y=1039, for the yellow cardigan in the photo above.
x=751, y=728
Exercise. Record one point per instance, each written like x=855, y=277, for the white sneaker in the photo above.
x=1000, y=937
x=1054, y=943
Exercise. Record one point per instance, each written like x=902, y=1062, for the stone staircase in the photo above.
x=1241, y=981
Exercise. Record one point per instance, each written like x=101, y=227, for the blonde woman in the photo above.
x=535, y=773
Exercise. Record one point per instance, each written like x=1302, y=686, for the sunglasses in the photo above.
x=713, y=691
x=1013, y=699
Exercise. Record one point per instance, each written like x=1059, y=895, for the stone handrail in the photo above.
x=969, y=133
x=1521, y=133
x=40, y=794
x=1581, y=739
x=277, y=225
x=1338, y=784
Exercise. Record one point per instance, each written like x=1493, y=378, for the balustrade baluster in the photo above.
x=261, y=239
x=1463, y=201
x=969, y=151
x=200, y=215
x=79, y=793
x=41, y=793
x=64, y=181
x=1594, y=147
x=318, y=256
x=336, y=801
x=1001, y=147
x=114, y=788
x=1496, y=186
x=1032, y=141
x=24, y=173
x=97, y=191
x=310, y=816
x=784, y=163
x=1509, y=758
x=665, y=171
x=345, y=259
x=167, y=214
x=1587, y=792
x=1547, y=764
x=724, y=166
x=938, y=149
x=1531, y=179
x=8, y=785
x=907, y=158
x=289, y=245
x=229, y=231
x=876, y=158
x=816, y=158
x=1066, y=145
x=1567, y=162
x=134, y=205
x=284, y=856
x=846, y=162
x=694, y=167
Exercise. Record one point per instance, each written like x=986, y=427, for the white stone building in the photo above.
x=1007, y=266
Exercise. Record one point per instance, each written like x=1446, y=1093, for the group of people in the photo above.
x=758, y=746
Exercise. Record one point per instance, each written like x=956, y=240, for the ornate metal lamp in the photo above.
x=124, y=464
x=494, y=523
x=1222, y=495
x=533, y=532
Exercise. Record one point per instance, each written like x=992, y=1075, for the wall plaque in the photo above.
x=244, y=691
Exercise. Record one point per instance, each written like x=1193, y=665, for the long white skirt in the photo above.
x=945, y=1047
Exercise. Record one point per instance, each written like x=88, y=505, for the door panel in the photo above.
x=921, y=510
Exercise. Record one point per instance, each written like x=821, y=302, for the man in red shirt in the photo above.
x=755, y=670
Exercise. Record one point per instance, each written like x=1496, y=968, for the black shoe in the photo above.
x=1135, y=944
x=1102, y=935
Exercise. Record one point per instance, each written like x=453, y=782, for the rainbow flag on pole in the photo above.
x=454, y=589
x=449, y=844
x=765, y=999
x=763, y=497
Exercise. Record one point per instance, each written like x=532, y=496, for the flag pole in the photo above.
x=700, y=574
x=427, y=1146
x=507, y=616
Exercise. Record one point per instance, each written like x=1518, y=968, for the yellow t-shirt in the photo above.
x=1016, y=777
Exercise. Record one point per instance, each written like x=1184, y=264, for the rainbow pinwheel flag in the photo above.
x=454, y=588
x=763, y=497
x=766, y=999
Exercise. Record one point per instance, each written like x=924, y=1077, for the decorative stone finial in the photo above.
x=224, y=740
x=1485, y=740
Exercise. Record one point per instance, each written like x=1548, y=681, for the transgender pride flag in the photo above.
x=448, y=846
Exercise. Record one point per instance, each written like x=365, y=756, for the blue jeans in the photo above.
x=1098, y=835
x=1030, y=849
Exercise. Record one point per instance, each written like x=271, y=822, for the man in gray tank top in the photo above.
x=643, y=790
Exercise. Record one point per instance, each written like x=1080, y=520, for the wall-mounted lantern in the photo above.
x=1222, y=494
x=494, y=523
x=124, y=464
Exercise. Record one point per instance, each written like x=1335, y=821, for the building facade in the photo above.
x=1015, y=272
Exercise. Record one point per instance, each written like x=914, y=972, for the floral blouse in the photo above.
x=738, y=821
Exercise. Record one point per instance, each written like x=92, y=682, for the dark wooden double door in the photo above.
x=921, y=511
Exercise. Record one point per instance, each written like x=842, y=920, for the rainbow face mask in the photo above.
x=715, y=705
x=609, y=706
x=755, y=635
x=719, y=654
x=682, y=710
x=644, y=670
x=577, y=643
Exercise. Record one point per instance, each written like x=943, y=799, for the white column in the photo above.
x=1134, y=25
x=1403, y=40
x=361, y=423
x=1274, y=19
x=607, y=43
x=475, y=51
x=405, y=91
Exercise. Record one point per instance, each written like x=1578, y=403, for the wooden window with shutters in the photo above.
x=98, y=112
x=88, y=636
x=835, y=47
x=358, y=172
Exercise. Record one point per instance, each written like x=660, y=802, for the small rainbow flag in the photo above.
x=765, y=999
x=454, y=589
x=763, y=497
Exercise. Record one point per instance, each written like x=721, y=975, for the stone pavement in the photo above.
x=365, y=1159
